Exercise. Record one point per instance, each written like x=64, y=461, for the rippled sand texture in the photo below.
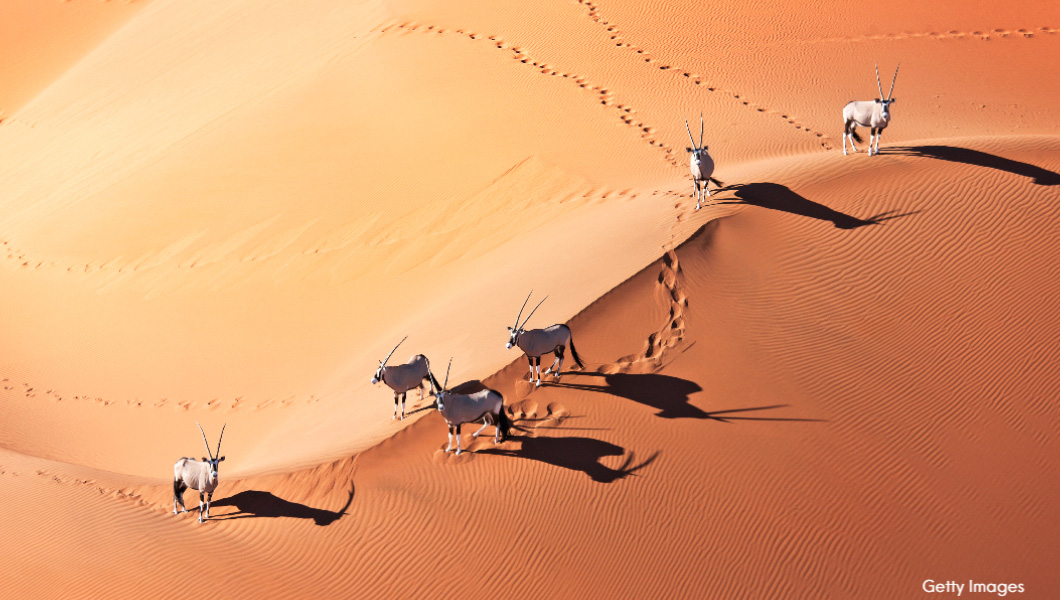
x=836, y=381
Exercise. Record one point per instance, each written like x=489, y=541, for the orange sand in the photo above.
x=836, y=381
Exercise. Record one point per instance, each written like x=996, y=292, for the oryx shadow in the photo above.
x=576, y=454
x=977, y=158
x=670, y=396
x=779, y=197
x=258, y=504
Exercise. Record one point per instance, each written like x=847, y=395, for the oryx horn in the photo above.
x=533, y=311
x=878, y=81
x=220, y=438
x=690, y=138
x=892, y=81
x=520, y=315
x=394, y=350
x=445, y=386
x=206, y=442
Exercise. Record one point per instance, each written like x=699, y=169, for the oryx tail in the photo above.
x=504, y=424
x=574, y=353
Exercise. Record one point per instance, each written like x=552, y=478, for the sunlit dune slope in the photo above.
x=835, y=381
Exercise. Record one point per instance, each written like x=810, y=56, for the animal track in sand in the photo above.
x=594, y=14
x=953, y=34
x=672, y=332
x=90, y=484
x=525, y=416
x=603, y=95
x=226, y=404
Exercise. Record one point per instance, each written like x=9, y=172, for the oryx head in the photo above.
x=697, y=151
x=439, y=395
x=214, y=459
x=382, y=364
x=515, y=331
x=885, y=101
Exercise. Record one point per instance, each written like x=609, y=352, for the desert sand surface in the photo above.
x=837, y=380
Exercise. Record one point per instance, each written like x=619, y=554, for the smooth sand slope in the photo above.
x=838, y=380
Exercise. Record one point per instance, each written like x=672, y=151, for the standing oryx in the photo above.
x=458, y=408
x=197, y=475
x=702, y=165
x=874, y=114
x=537, y=342
x=402, y=378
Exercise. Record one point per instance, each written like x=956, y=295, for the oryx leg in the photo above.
x=209, y=499
x=485, y=423
x=699, y=193
x=459, y=448
x=450, y=446
x=557, y=364
x=403, y=395
x=530, y=359
x=178, y=495
x=537, y=366
x=557, y=354
x=850, y=128
x=395, y=406
x=879, y=132
x=202, y=503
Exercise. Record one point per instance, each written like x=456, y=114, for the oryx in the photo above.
x=458, y=408
x=197, y=475
x=537, y=342
x=874, y=114
x=702, y=165
x=402, y=378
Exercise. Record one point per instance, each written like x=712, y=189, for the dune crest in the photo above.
x=834, y=381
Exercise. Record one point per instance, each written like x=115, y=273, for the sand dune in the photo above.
x=835, y=381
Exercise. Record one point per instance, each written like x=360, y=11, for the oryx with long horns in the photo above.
x=538, y=342
x=483, y=404
x=402, y=378
x=874, y=114
x=197, y=475
x=702, y=165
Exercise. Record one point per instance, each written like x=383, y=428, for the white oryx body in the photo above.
x=700, y=164
x=874, y=114
x=484, y=405
x=538, y=342
x=197, y=475
x=402, y=378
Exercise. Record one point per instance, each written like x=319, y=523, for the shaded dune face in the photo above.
x=836, y=380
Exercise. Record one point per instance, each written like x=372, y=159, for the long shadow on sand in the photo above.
x=967, y=156
x=669, y=395
x=575, y=453
x=256, y=504
x=778, y=197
